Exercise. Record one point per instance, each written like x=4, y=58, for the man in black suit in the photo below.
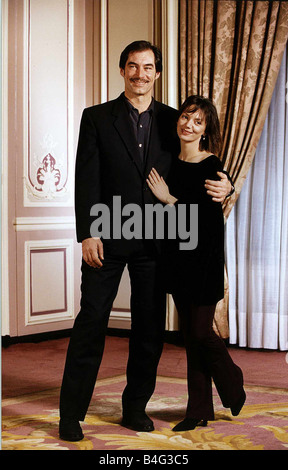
x=119, y=142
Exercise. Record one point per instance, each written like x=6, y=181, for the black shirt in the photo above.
x=141, y=125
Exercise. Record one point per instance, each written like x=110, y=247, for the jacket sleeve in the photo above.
x=87, y=176
x=230, y=180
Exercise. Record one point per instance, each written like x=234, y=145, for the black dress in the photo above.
x=199, y=272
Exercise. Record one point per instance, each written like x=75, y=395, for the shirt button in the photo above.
x=141, y=125
x=140, y=145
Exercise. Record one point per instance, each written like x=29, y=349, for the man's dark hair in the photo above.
x=139, y=46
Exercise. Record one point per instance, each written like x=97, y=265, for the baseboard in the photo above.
x=120, y=320
x=171, y=337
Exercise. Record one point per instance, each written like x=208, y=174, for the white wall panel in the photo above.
x=42, y=42
x=49, y=279
x=48, y=103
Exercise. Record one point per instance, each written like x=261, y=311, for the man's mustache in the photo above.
x=141, y=80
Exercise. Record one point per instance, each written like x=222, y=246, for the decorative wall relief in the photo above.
x=48, y=177
x=48, y=173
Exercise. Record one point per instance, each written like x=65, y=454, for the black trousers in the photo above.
x=207, y=359
x=99, y=289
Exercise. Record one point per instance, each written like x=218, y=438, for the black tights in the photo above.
x=207, y=358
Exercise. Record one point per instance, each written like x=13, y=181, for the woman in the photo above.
x=196, y=277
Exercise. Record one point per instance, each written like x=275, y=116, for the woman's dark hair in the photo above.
x=213, y=140
x=139, y=46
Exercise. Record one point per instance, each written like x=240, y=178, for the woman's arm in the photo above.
x=159, y=188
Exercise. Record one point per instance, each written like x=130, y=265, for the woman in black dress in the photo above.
x=196, y=277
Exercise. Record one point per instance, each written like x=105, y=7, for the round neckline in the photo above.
x=196, y=163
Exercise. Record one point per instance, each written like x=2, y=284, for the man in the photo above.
x=119, y=142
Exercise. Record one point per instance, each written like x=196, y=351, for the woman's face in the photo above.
x=191, y=125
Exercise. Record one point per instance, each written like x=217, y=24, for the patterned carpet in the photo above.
x=30, y=422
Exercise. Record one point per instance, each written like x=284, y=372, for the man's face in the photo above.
x=139, y=73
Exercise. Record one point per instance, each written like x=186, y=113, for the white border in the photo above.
x=170, y=91
x=4, y=177
x=104, y=56
x=55, y=317
x=170, y=52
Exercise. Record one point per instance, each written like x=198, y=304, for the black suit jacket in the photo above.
x=108, y=162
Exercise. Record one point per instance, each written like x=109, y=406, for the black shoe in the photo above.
x=70, y=430
x=235, y=410
x=138, y=421
x=188, y=424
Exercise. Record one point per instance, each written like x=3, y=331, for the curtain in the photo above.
x=257, y=237
x=231, y=51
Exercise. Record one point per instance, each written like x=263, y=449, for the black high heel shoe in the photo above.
x=188, y=424
x=235, y=410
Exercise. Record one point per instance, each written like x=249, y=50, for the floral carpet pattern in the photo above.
x=30, y=422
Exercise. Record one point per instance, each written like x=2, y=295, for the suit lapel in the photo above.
x=125, y=130
x=154, y=148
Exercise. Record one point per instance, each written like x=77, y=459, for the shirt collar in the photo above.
x=131, y=108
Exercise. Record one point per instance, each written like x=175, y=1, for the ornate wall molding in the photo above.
x=23, y=224
x=48, y=103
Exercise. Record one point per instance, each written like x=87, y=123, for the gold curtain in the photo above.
x=231, y=51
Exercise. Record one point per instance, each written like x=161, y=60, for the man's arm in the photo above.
x=220, y=189
x=93, y=252
x=87, y=190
